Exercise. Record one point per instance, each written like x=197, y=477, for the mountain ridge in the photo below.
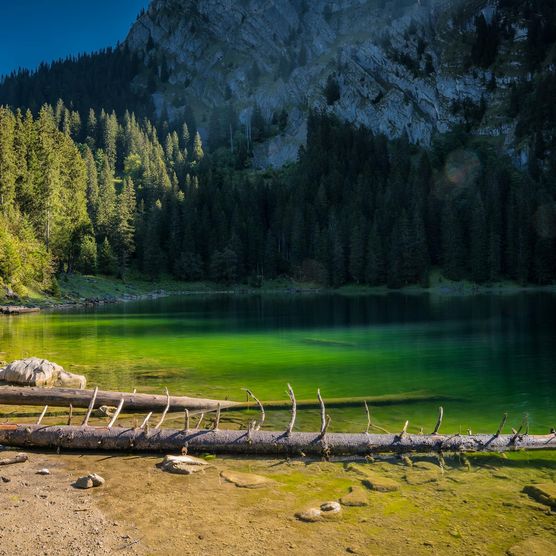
x=402, y=75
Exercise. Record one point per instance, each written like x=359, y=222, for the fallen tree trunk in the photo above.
x=63, y=397
x=419, y=396
x=265, y=443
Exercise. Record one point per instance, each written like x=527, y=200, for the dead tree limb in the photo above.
x=439, y=421
x=258, y=402
x=404, y=430
x=186, y=420
x=201, y=417
x=217, y=419
x=165, y=412
x=146, y=420
x=263, y=443
x=117, y=413
x=70, y=414
x=90, y=407
x=501, y=427
x=291, y=394
x=41, y=416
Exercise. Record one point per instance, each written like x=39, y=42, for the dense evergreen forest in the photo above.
x=107, y=194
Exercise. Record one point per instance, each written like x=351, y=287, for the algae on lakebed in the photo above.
x=463, y=512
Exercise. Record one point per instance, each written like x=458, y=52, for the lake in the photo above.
x=478, y=356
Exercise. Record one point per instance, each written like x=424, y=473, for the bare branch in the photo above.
x=116, y=415
x=146, y=420
x=322, y=414
x=501, y=427
x=263, y=415
x=90, y=408
x=439, y=422
x=291, y=394
x=41, y=416
x=186, y=420
x=368, y=411
x=217, y=420
x=165, y=412
x=70, y=414
x=202, y=416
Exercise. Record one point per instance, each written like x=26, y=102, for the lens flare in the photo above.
x=462, y=168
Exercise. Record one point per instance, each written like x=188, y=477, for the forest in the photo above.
x=110, y=194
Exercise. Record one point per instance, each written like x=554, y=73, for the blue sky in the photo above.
x=32, y=31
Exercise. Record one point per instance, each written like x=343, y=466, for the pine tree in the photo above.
x=124, y=236
x=198, y=153
x=8, y=162
x=107, y=262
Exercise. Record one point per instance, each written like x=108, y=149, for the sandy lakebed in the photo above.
x=471, y=506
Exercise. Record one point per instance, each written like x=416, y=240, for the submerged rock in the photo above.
x=331, y=510
x=183, y=465
x=357, y=498
x=533, y=546
x=104, y=411
x=312, y=515
x=372, y=480
x=246, y=480
x=40, y=372
x=83, y=483
x=90, y=481
x=545, y=493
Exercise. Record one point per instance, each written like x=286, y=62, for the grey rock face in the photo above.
x=394, y=63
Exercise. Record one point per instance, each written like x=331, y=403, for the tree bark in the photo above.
x=62, y=397
x=263, y=443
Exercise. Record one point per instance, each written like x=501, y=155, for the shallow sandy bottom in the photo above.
x=142, y=510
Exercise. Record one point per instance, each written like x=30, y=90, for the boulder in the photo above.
x=246, y=480
x=41, y=373
x=545, y=493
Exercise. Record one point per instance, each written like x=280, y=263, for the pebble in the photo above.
x=43, y=472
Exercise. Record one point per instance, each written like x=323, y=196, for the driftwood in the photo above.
x=266, y=443
x=62, y=397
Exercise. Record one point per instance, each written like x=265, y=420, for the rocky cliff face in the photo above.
x=398, y=66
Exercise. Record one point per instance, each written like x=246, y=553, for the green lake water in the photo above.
x=482, y=355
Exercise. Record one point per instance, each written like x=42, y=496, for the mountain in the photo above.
x=399, y=67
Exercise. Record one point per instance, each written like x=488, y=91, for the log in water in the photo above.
x=63, y=397
x=254, y=443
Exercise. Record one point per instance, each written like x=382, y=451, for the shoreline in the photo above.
x=112, y=291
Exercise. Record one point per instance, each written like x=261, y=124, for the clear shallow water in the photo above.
x=485, y=354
